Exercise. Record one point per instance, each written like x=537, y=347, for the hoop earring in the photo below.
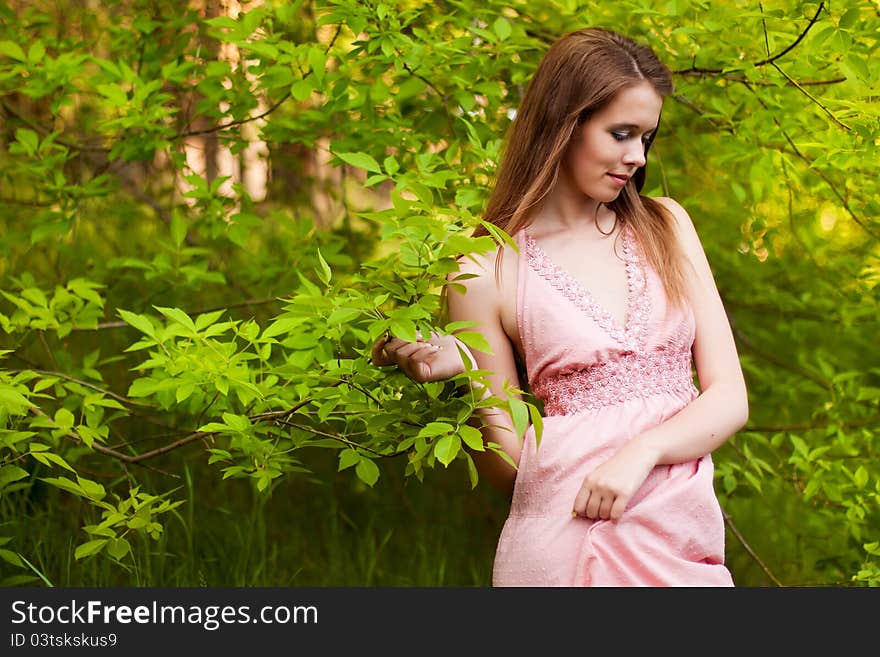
x=596, y=222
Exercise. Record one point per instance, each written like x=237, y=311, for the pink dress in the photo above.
x=602, y=384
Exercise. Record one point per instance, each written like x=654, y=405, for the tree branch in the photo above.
x=693, y=70
x=807, y=426
x=813, y=99
x=748, y=548
x=232, y=124
x=746, y=342
x=800, y=38
x=240, y=304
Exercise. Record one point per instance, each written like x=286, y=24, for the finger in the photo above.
x=377, y=353
x=593, y=505
x=605, y=507
x=580, y=501
x=618, y=507
x=391, y=348
x=408, y=350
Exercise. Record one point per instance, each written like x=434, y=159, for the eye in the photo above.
x=620, y=136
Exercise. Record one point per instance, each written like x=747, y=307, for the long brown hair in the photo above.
x=579, y=75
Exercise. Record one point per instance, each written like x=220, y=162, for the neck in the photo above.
x=561, y=212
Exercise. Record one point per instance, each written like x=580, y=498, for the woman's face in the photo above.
x=607, y=148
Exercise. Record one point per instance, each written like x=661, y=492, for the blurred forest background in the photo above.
x=209, y=209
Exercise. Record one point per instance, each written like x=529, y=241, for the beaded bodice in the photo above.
x=580, y=358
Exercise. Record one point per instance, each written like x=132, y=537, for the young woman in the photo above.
x=608, y=303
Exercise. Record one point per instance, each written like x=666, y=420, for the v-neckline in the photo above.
x=632, y=328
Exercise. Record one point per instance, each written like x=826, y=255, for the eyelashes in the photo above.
x=623, y=136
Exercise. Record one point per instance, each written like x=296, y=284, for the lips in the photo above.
x=619, y=178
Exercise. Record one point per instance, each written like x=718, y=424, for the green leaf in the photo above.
x=361, y=161
x=405, y=329
x=240, y=423
x=91, y=488
x=29, y=141
x=502, y=28
x=343, y=315
x=13, y=50
x=347, y=458
x=324, y=273
x=391, y=165
x=140, y=322
x=178, y=229
x=473, y=474
x=36, y=52
x=13, y=400
x=64, y=419
x=65, y=484
x=184, y=391
x=302, y=89
x=137, y=523
x=475, y=340
x=10, y=474
x=11, y=557
x=281, y=326
x=471, y=437
x=367, y=471
x=537, y=423
x=49, y=457
x=519, y=413
x=435, y=429
x=861, y=477
x=90, y=548
x=118, y=548
x=178, y=316
x=447, y=448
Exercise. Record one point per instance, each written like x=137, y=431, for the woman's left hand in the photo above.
x=607, y=490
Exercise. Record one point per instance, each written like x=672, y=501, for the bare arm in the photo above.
x=703, y=425
x=722, y=407
x=438, y=357
x=481, y=301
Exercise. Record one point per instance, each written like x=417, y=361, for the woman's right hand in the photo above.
x=423, y=361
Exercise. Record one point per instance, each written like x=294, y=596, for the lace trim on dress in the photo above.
x=634, y=332
x=633, y=375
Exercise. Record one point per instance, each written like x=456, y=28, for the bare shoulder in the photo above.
x=477, y=272
x=684, y=226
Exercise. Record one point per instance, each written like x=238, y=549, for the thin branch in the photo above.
x=240, y=304
x=152, y=453
x=749, y=549
x=834, y=188
x=746, y=342
x=344, y=441
x=802, y=83
x=232, y=124
x=109, y=393
x=807, y=426
x=813, y=99
x=766, y=308
x=693, y=70
x=779, y=55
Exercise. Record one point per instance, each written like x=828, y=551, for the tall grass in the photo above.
x=323, y=530
x=326, y=529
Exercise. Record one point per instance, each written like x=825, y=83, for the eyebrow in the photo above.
x=632, y=126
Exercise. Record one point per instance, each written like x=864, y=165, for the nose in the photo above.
x=635, y=153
